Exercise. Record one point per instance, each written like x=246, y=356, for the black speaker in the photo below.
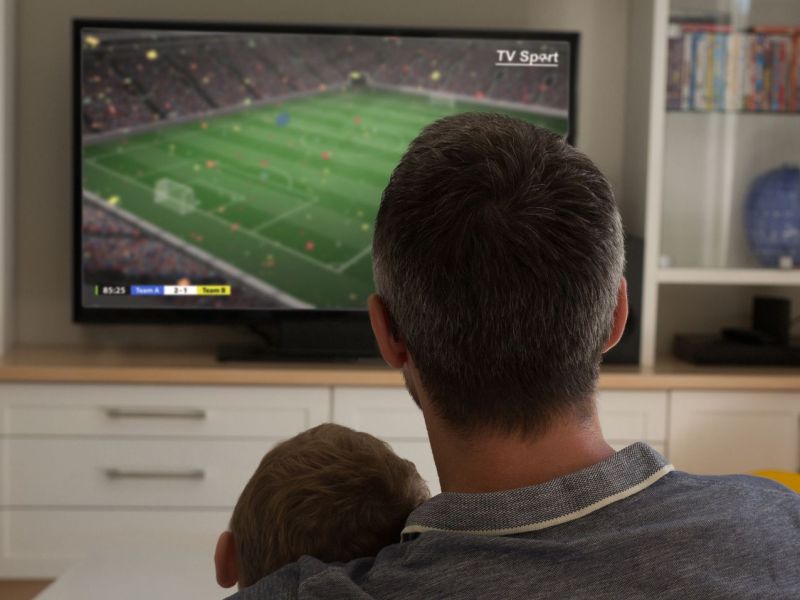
x=626, y=352
x=772, y=317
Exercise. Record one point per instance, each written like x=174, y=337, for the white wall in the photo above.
x=43, y=215
x=7, y=17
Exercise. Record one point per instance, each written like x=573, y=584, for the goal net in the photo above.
x=175, y=196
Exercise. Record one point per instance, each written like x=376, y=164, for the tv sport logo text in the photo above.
x=526, y=58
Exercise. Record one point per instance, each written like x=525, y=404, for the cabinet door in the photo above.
x=43, y=544
x=391, y=415
x=629, y=416
x=734, y=432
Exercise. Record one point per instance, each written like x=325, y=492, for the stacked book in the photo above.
x=713, y=67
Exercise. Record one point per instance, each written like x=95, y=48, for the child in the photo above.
x=329, y=492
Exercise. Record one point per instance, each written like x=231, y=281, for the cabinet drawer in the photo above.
x=149, y=410
x=126, y=473
x=44, y=543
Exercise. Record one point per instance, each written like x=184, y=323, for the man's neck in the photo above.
x=488, y=462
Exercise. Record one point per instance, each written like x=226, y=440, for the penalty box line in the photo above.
x=353, y=259
x=285, y=214
x=225, y=223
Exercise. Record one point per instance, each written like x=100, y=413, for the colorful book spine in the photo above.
x=744, y=69
x=686, y=73
x=701, y=67
x=675, y=70
x=720, y=44
x=695, y=71
x=782, y=75
x=713, y=67
x=734, y=72
x=761, y=76
x=795, y=74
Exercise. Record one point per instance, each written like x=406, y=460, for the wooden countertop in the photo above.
x=83, y=365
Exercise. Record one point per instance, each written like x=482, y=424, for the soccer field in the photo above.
x=287, y=193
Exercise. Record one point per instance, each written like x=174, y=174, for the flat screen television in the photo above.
x=231, y=173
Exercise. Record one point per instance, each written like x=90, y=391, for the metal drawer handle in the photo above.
x=155, y=413
x=115, y=473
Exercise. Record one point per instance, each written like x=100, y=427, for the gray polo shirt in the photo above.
x=628, y=527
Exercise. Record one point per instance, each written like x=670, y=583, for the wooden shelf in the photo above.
x=69, y=364
x=702, y=276
x=79, y=365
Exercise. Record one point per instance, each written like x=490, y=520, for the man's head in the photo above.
x=329, y=492
x=498, y=258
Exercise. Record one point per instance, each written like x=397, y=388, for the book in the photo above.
x=675, y=64
x=713, y=67
x=791, y=77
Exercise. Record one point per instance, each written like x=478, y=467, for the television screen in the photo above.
x=231, y=168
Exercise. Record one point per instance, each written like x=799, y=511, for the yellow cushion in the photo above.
x=790, y=480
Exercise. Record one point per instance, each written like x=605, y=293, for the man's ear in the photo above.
x=225, y=560
x=392, y=348
x=620, y=316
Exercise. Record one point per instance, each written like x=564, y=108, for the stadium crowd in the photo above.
x=133, y=80
x=117, y=252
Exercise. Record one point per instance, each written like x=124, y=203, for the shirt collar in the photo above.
x=540, y=506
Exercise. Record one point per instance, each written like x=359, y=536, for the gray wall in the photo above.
x=43, y=169
x=7, y=18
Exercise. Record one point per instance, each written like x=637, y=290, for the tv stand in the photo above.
x=322, y=339
x=266, y=353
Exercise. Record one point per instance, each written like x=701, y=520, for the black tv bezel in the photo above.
x=357, y=317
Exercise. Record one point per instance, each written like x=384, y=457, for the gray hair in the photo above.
x=498, y=252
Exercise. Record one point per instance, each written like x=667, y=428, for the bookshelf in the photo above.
x=722, y=108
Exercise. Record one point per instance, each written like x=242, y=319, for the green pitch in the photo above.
x=287, y=193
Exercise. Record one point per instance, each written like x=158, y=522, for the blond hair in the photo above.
x=329, y=492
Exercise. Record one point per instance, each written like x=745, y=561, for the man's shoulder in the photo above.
x=734, y=487
x=742, y=501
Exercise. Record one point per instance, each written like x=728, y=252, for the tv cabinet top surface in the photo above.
x=51, y=364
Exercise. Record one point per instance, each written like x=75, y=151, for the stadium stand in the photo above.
x=116, y=252
x=131, y=81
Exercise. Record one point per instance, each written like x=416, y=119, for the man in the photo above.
x=498, y=258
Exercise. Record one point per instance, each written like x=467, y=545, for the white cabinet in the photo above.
x=84, y=466
x=734, y=432
x=629, y=416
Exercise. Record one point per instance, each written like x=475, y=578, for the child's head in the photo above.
x=329, y=492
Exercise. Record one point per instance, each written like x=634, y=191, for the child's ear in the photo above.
x=225, y=560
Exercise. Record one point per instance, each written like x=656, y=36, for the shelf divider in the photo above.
x=707, y=276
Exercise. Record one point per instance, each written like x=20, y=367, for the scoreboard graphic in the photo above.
x=162, y=290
